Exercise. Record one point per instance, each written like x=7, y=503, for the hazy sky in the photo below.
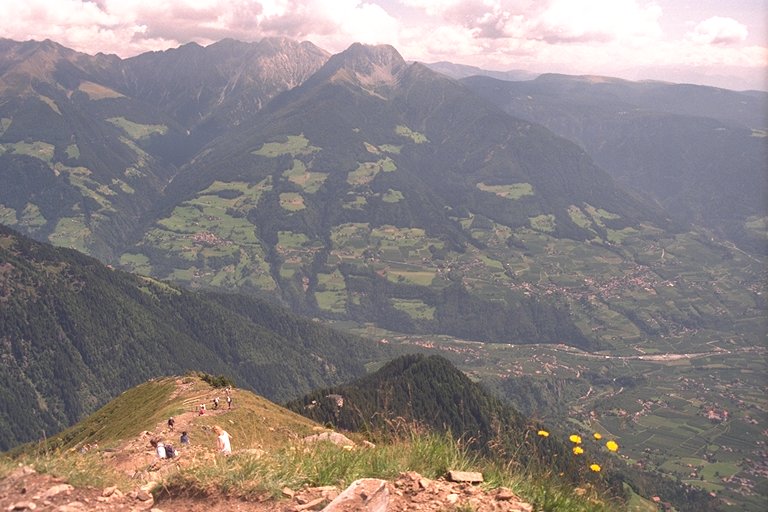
x=717, y=42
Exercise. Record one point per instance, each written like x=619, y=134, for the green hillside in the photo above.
x=77, y=333
x=87, y=144
x=430, y=391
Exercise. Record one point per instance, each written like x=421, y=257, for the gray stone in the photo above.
x=364, y=495
x=57, y=489
x=22, y=471
x=75, y=506
x=472, y=477
x=332, y=437
x=148, y=486
x=23, y=505
x=314, y=504
x=505, y=494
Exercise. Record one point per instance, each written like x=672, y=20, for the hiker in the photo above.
x=184, y=439
x=201, y=409
x=223, y=440
x=158, y=445
x=171, y=422
x=216, y=402
x=229, y=402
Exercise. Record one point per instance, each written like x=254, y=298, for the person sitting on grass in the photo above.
x=222, y=440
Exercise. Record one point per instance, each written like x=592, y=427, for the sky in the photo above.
x=712, y=42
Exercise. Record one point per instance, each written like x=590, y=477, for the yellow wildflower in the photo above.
x=576, y=439
x=612, y=445
x=543, y=433
x=595, y=467
x=598, y=435
x=578, y=450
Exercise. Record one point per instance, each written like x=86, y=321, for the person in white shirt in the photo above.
x=222, y=440
x=159, y=446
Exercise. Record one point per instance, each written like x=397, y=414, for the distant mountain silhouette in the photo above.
x=700, y=152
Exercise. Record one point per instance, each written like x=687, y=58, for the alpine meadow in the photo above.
x=478, y=255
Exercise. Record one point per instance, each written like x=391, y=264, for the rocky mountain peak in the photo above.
x=31, y=61
x=369, y=66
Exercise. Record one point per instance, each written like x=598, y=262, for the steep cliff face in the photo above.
x=220, y=85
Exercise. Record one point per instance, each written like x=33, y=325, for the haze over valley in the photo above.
x=591, y=249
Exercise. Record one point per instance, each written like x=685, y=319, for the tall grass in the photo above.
x=80, y=470
x=428, y=454
x=254, y=476
x=322, y=463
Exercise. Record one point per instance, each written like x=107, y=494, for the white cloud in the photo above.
x=589, y=36
x=128, y=27
x=353, y=21
x=441, y=43
x=566, y=21
x=432, y=7
x=719, y=31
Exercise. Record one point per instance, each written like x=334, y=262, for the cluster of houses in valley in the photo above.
x=209, y=239
x=716, y=415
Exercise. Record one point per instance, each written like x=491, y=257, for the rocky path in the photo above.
x=26, y=489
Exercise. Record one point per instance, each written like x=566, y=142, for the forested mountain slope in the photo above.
x=76, y=333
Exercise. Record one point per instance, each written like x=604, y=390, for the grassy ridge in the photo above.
x=268, y=452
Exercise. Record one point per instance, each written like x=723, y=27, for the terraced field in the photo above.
x=208, y=236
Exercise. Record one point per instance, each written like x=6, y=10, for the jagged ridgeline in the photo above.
x=75, y=334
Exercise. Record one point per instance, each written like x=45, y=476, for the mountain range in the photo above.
x=359, y=187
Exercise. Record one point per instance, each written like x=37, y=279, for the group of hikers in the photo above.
x=223, y=444
x=167, y=451
x=201, y=408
